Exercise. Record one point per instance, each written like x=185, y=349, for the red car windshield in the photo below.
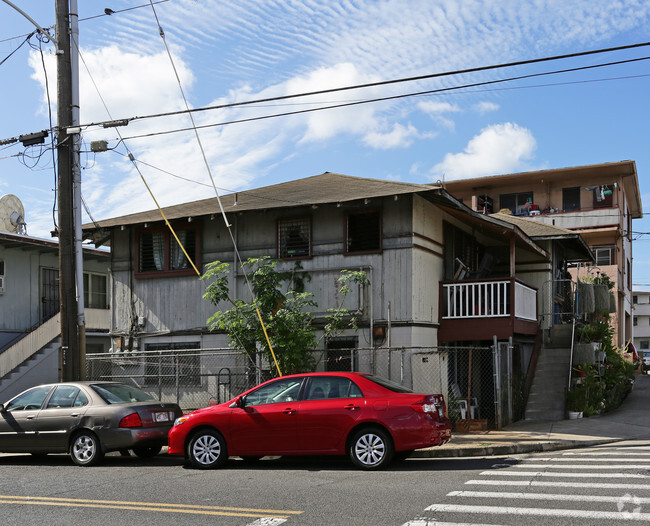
x=388, y=384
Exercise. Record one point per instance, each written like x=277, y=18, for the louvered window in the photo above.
x=294, y=238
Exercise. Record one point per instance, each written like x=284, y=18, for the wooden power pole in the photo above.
x=70, y=358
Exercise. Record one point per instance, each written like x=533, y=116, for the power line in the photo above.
x=413, y=79
x=348, y=104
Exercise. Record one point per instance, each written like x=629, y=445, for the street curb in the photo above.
x=511, y=449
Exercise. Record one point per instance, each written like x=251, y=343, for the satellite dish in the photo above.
x=12, y=215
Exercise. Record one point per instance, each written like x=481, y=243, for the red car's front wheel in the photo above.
x=207, y=449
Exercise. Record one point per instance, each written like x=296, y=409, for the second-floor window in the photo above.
x=159, y=252
x=604, y=256
x=518, y=203
x=294, y=238
x=363, y=232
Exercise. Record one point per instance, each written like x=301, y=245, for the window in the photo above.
x=571, y=199
x=66, y=396
x=2, y=276
x=363, y=232
x=284, y=390
x=322, y=387
x=604, y=255
x=603, y=197
x=294, y=238
x=159, y=252
x=516, y=203
x=95, y=291
x=635, y=299
x=645, y=345
x=164, y=368
x=635, y=321
x=29, y=400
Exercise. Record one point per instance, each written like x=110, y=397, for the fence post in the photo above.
x=497, y=383
x=177, y=365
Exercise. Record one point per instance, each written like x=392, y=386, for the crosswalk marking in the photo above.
x=604, y=453
x=539, y=512
x=542, y=496
x=507, y=473
x=556, y=459
x=557, y=484
x=578, y=466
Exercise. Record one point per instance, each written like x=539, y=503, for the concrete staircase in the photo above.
x=547, y=397
x=40, y=368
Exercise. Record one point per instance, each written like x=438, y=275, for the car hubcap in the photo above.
x=370, y=449
x=206, y=449
x=84, y=448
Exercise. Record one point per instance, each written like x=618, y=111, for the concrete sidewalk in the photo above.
x=631, y=421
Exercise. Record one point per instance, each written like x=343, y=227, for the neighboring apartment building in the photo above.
x=439, y=272
x=598, y=201
x=641, y=320
x=29, y=306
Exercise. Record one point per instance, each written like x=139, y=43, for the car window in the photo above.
x=120, y=393
x=322, y=387
x=81, y=400
x=63, y=396
x=32, y=399
x=284, y=390
x=388, y=384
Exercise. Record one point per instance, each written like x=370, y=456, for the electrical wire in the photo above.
x=15, y=50
x=207, y=166
x=348, y=103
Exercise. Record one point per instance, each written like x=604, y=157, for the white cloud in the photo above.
x=486, y=107
x=399, y=137
x=436, y=108
x=500, y=148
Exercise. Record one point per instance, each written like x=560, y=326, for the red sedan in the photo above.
x=370, y=419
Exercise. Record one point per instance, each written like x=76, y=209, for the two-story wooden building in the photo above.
x=440, y=273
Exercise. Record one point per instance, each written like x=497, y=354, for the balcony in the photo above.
x=598, y=217
x=481, y=309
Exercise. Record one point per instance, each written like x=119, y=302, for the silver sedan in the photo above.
x=86, y=420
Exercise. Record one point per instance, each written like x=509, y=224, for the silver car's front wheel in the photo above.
x=85, y=449
x=207, y=449
x=371, y=449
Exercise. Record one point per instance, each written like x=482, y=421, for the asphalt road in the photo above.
x=600, y=486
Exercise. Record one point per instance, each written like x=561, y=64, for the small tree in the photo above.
x=284, y=306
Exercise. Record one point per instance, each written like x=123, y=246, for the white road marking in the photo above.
x=539, y=512
x=541, y=496
x=558, y=484
x=578, y=466
x=423, y=521
x=560, y=459
x=506, y=473
x=267, y=521
x=606, y=453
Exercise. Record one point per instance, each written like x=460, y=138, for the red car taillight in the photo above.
x=132, y=420
x=432, y=404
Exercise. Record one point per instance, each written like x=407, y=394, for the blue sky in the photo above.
x=227, y=51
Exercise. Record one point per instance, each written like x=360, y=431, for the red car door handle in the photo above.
x=352, y=407
x=289, y=411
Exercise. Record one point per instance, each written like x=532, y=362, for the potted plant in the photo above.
x=576, y=400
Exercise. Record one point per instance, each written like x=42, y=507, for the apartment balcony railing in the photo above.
x=501, y=306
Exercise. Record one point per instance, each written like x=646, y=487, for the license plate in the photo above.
x=161, y=417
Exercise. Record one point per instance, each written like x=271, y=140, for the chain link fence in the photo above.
x=476, y=381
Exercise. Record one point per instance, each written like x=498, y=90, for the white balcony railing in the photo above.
x=488, y=299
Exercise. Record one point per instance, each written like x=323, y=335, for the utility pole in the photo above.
x=70, y=357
